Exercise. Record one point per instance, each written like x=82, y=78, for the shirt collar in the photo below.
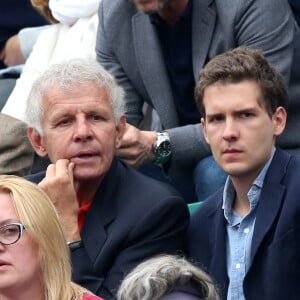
x=229, y=191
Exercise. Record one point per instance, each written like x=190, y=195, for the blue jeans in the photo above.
x=208, y=178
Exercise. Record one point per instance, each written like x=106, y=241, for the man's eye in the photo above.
x=215, y=119
x=96, y=117
x=246, y=115
x=63, y=122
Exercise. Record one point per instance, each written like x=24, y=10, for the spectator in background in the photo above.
x=246, y=236
x=34, y=256
x=156, y=48
x=167, y=277
x=16, y=151
x=19, y=47
x=113, y=216
x=14, y=16
x=73, y=36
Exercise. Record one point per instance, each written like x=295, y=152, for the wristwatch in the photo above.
x=162, y=148
x=74, y=245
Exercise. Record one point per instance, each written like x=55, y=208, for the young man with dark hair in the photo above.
x=247, y=235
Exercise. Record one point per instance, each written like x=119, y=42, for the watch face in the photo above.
x=164, y=149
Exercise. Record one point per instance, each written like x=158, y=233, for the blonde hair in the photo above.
x=160, y=275
x=38, y=214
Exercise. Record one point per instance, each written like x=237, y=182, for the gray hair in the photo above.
x=67, y=75
x=160, y=275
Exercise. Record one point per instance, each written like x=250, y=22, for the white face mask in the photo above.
x=69, y=11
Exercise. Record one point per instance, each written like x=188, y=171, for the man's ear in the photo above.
x=120, y=130
x=36, y=141
x=203, y=123
x=279, y=120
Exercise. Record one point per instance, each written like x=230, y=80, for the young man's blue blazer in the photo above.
x=275, y=252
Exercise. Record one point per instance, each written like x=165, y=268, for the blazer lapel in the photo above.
x=218, y=267
x=152, y=69
x=97, y=219
x=271, y=199
x=100, y=215
x=204, y=18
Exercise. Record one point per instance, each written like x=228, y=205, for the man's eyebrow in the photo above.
x=58, y=115
x=250, y=108
x=213, y=115
x=245, y=110
x=237, y=111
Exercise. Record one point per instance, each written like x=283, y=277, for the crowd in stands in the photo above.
x=120, y=113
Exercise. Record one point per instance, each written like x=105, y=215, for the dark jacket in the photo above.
x=274, y=273
x=132, y=217
x=295, y=5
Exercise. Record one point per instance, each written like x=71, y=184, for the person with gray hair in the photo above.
x=66, y=75
x=113, y=216
x=167, y=277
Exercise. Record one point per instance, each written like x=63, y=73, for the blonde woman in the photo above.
x=34, y=256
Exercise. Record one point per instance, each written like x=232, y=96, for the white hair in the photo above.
x=66, y=75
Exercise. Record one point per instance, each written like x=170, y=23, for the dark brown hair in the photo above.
x=244, y=64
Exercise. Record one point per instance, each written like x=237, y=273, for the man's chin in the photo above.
x=87, y=174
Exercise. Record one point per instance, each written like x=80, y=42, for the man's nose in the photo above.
x=82, y=131
x=230, y=130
